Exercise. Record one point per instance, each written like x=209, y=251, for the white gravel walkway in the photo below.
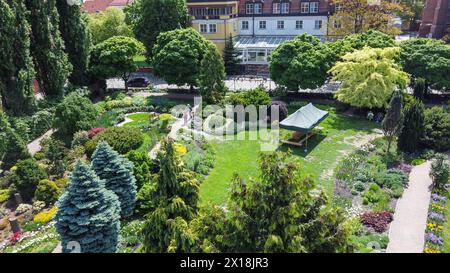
x=407, y=231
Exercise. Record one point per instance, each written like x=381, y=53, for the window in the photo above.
x=212, y=28
x=337, y=23
x=258, y=8
x=280, y=24
x=318, y=24
x=314, y=7
x=244, y=25
x=249, y=8
x=262, y=24
x=298, y=24
x=276, y=8
x=304, y=8
x=203, y=28
x=284, y=8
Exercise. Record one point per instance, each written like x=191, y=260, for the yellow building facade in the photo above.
x=215, y=20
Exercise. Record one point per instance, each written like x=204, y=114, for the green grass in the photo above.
x=138, y=119
x=324, y=152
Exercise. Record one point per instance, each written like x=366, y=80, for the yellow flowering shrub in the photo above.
x=180, y=149
x=45, y=216
x=431, y=250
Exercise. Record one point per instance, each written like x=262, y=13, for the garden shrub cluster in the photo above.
x=257, y=96
x=379, y=221
x=45, y=216
x=121, y=139
x=437, y=129
x=200, y=157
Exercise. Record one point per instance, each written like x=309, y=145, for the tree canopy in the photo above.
x=428, y=59
x=302, y=62
x=51, y=61
x=16, y=66
x=114, y=58
x=75, y=32
x=149, y=18
x=177, y=56
x=368, y=77
x=212, y=76
x=357, y=16
x=107, y=24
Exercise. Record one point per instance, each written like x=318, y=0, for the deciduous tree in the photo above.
x=177, y=55
x=114, y=58
x=152, y=17
x=368, y=77
x=107, y=24
x=428, y=59
x=358, y=16
x=300, y=63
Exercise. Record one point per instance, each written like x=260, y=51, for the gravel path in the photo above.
x=407, y=231
x=35, y=145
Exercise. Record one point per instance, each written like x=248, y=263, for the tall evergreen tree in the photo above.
x=12, y=147
x=50, y=60
x=117, y=172
x=230, y=55
x=16, y=66
x=393, y=121
x=88, y=213
x=413, y=127
x=212, y=75
x=77, y=39
x=151, y=17
x=176, y=198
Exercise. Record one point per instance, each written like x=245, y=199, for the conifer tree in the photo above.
x=13, y=147
x=16, y=66
x=413, y=127
x=51, y=62
x=77, y=39
x=393, y=121
x=176, y=198
x=88, y=213
x=212, y=76
x=230, y=55
x=117, y=172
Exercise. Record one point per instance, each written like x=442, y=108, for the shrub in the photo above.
x=437, y=129
x=283, y=111
x=359, y=186
x=379, y=221
x=4, y=195
x=73, y=114
x=180, y=149
x=27, y=176
x=40, y=123
x=392, y=179
x=418, y=161
x=257, y=96
x=80, y=138
x=376, y=197
x=62, y=183
x=47, y=191
x=94, y=131
x=45, y=216
x=121, y=139
x=440, y=170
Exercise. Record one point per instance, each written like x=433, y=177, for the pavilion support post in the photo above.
x=306, y=144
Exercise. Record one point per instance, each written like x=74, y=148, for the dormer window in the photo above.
x=285, y=8
x=249, y=8
x=258, y=8
x=276, y=8
x=314, y=7
x=304, y=7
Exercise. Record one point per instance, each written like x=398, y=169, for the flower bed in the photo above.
x=434, y=239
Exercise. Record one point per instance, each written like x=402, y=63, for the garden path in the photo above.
x=407, y=231
x=35, y=145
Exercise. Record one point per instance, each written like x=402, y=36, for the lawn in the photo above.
x=138, y=119
x=339, y=136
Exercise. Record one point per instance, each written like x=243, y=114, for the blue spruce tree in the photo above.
x=88, y=213
x=117, y=171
